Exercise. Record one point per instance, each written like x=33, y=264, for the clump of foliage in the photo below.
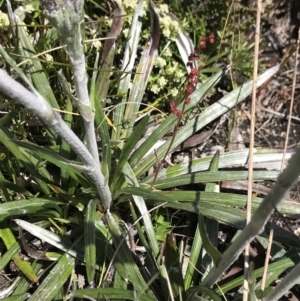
x=75, y=171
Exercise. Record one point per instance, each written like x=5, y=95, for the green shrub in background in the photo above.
x=89, y=171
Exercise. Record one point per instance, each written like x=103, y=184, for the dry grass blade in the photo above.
x=251, y=146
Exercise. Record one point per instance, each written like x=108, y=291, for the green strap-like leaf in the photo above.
x=61, y=243
x=9, y=240
x=142, y=74
x=18, y=297
x=25, y=284
x=212, y=199
x=127, y=67
x=110, y=293
x=7, y=256
x=26, y=49
x=130, y=269
x=30, y=206
x=54, y=280
x=89, y=240
x=201, y=237
x=209, y=247
x=53, y=157
x=252, y=296
x=141, y=205
x=261, y=157
x=22, y=157
x=211, y=176
x=173, y=266
x=210, y=226
x=129, y=146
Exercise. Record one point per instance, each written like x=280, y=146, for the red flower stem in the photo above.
x=169, y=147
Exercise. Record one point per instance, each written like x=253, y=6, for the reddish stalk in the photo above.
x=192, y=81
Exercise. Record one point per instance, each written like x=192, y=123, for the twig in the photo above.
x=291, y=279
x=36, y=254
x=251, y=146
x=281, y=114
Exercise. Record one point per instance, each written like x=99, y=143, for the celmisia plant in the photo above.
x=99, y=193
